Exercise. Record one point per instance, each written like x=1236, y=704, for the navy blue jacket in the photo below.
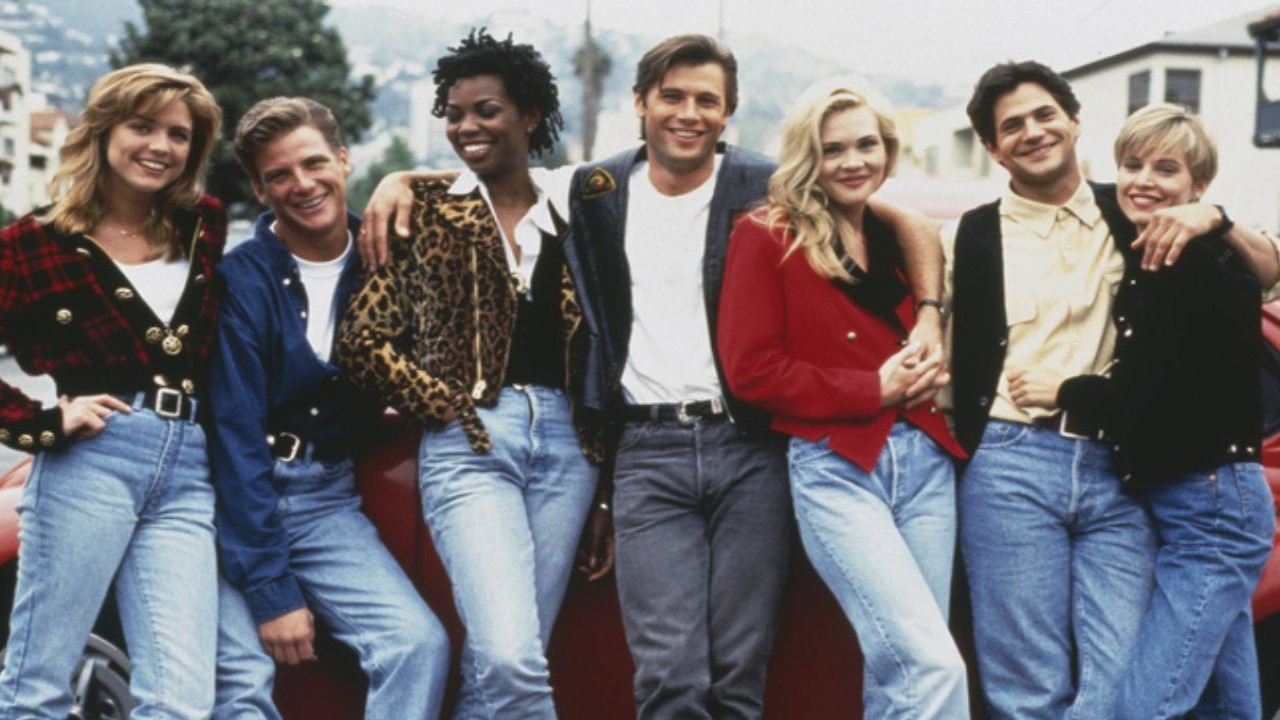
x=595, y=249
x=265, y=378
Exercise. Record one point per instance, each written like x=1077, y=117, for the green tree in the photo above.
x=245, y=51
x=397, y=156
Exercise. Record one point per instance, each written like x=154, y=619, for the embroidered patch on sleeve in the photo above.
x=598, y=183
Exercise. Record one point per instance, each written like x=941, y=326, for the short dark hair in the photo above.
x=1003, y=79
x=525, y=75
x=687, y=50
x=269, y=119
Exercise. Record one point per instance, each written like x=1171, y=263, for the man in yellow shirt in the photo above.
x=1059, y=557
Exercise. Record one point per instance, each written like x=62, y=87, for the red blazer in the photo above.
x=794, y=344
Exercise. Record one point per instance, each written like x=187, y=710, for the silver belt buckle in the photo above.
x=682, y=414
x=1062, y=429
x=295, y=445
x=166, y=397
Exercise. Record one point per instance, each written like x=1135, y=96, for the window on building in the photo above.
x=38, y=162
x=1139, y=90
x=1182, y=87
x=9, y=148
x=962, y=144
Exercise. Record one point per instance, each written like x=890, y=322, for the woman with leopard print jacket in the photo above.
x=473, y=329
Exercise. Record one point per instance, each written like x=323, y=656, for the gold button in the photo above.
x=851, y=336
x=933, y=409
x=124, y=293
x=188, y=387
x=84, y=251
x=160, y=381
x=4, y=436
x=26, y=440
x=171, y=345
x=46, y=438
x=63, y=316
x=154, y=335
x=183, y=330
x=198, y=279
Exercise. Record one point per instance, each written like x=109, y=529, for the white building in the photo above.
x=49, y=128
x=1210, y=70
x=15, y=128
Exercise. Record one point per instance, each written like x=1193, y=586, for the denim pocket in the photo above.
x=1257, y=509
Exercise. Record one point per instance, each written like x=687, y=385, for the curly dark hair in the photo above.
x=525, y=75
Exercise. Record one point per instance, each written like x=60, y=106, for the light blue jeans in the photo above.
x=506, y=524
x=1060, y=564
x=884, y=543
x=131, y=504
x=1195, y=653
x=354, y=588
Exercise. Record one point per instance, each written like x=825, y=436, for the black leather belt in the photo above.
x=1067, y=425
x=168, y=403
x=685, y=413
x=288, y=447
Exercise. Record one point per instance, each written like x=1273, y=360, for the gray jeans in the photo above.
x=704, y=531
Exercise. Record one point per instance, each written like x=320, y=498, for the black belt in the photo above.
x=1069, y=425
x=685, y=413
x=168, y=403
x=288, y=447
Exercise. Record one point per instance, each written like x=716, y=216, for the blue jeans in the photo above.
x=134, y=504
x=506, y=525
x=884, y=543
x=1197, y=639
x=704, y=530
x=1060, y=565
x=353, y=587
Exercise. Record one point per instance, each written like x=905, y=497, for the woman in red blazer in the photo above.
x=814, y=320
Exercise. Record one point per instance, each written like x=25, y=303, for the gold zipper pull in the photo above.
x=477, y=392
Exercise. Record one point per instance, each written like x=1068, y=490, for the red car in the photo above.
x=815, y=671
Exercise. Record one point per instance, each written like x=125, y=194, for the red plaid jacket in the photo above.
x=67, y=311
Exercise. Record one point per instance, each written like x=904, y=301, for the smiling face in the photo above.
x=683, y=116
x=146, y=154
x=1035, y=140
x=854, y=158
x=1149, y=180
x=304, y=181
x=486, y=127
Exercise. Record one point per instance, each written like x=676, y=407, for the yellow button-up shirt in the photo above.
x=1061, y=273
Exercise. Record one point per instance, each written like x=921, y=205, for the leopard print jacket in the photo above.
x=430, y=331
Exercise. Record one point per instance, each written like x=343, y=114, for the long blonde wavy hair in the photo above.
x=79, y=188
x=796, y=203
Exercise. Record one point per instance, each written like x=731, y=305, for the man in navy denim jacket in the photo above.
x=293, y=542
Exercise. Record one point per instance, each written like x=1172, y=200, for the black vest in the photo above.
x=980, y=330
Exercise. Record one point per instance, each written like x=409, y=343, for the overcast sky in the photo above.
x=947, y=41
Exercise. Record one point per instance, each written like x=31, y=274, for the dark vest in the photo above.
x=980, y=330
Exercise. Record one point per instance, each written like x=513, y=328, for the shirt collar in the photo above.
x=539, y=214
x=1039, y=217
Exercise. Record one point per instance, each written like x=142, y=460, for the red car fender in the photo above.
x=1266, y=597
x=10, y=493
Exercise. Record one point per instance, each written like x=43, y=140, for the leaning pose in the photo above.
x=1184, y=418
x=473, y=329
x=110, y=292
x=814, y=321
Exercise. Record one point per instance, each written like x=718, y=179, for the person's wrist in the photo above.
x=923, y=303
x=1224, y=226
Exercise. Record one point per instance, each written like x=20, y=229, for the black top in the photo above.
x=879, y=288
x=1184, y=393
x=537, y=343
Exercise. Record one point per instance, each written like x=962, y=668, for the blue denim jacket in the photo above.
x=265, y=378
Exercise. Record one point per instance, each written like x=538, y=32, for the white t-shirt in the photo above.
x=670, y=357
x=159, y=283
x=320, y=280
